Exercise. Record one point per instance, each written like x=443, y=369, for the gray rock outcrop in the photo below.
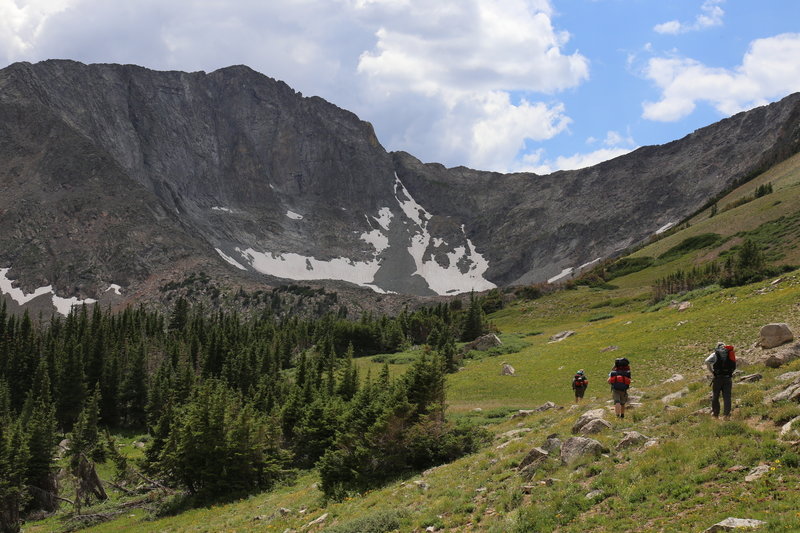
x=507, y=370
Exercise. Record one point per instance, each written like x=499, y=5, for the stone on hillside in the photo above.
x=789, y=431
x=631, y=438
x=669, y=398
x=756, y=473
x=558, y=337
x=683, y=306
x=651, y=443
x=422, y=485
x=574, y=448
x=594, y=494
x=507, y=370
x=732, y=524
x=610, y=348
x=674, y=378
x=703, y=411
x=782, y=356
x=545, y=406
x=776, y=334
x=534, y=458
x=792, y=392
x=586, y=417
x=788, y=376
x=515, y=432
x=595, y=425
x=522, y=413
x=319, y=520
x=750, y=378
x=506, y=443
x=483, y=343
x=552, y=444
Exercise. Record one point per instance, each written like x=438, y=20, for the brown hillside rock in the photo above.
x=781, y=356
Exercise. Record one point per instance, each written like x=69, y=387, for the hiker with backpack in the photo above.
x=579, y=385
x=721, y=364
x=620, y=380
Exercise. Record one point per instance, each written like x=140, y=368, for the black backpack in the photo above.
x=724, y=365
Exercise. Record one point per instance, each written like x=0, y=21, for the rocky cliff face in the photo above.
x=112, y=175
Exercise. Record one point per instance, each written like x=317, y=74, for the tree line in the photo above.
x=231, y=403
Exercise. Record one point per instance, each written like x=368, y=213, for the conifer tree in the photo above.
x=39, y=419
x=13, y=479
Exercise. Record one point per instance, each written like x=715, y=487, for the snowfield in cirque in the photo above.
x=463, y=271
x=62, y=305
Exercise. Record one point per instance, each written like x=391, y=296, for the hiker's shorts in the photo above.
x=620, y=396
x=579, y=392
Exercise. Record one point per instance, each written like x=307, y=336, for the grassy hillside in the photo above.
x=690, y=478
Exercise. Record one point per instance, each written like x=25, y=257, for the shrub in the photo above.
x=698, y=242
x=378, y=522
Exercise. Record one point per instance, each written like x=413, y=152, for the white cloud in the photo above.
x=462, y=62
x=710, y=16
x=21, y=24
x=615, y=145
x=769, y=70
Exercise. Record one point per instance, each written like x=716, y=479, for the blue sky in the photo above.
x=506, y=85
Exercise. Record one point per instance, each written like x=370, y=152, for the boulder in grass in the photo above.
x=575, y=448
x=532, y=461
x=773, y=335
x=631, y=438
x=558, y=337
x=669, y=398
x=507, y=370
x=595, y=426
x=483, y=343
x=734, y=524
x=587, y=417
x=789, y=429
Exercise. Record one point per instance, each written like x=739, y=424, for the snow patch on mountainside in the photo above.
x=225, y=209
x=301, y=267
x=466, y=267
x=116, y=288
x=230, y=260
x=377, y=238
x=293, y=215
x=664, y=228
x=564, y=273
x=62, y=305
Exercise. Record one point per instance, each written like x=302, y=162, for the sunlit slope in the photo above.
x=773, y=221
